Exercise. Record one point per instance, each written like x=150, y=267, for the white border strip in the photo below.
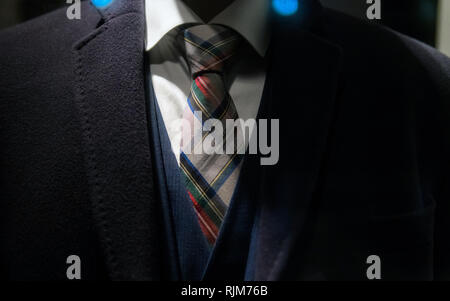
x=443, y=39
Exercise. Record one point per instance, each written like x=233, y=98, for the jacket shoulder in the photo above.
x=46, y=36
x=382, y=51
x=39, y=53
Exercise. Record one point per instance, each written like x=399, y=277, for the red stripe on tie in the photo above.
x=201, y=87
x=208, y=227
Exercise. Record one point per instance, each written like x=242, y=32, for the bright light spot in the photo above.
x=101, y=3
x=285, y=7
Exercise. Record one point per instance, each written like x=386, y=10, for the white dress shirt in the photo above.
x=170, y=74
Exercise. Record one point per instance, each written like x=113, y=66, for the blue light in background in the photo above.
x=101, y=3
x=285, y=7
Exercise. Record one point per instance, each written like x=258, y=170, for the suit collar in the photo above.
x=110, y=98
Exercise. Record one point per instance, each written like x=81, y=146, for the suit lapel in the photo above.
x=300, y=91
x=112, y=107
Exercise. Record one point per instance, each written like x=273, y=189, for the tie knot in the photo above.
x=208, y=47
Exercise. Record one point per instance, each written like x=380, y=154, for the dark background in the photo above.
x=416, y=18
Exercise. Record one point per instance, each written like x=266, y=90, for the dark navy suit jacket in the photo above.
x=364, y=151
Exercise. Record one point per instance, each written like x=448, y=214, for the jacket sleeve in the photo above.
x=437, y=148
x=433, y=118
x=442, y=191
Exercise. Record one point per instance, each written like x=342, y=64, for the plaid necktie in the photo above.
x=210, y=178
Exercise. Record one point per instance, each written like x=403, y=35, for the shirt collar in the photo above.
x=164, y=15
